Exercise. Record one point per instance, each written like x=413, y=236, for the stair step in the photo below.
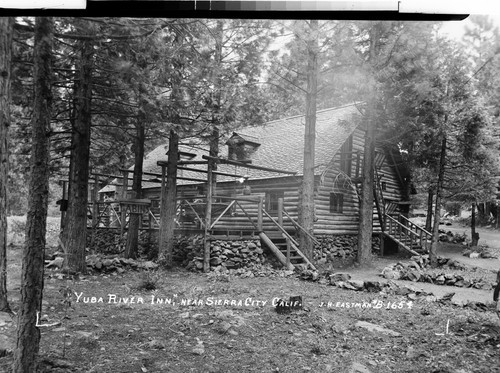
x=276, y=236
x=280, y=243
x=292, y=254
x=295, y=255
x=284, y=247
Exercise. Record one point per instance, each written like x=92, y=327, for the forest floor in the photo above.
x=191, y=322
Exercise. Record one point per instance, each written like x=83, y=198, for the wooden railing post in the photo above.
x=382, y=246
x=287, y=253
x=259, y=214
x=280, y=211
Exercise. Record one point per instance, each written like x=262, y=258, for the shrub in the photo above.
x=16, y=231
x=16, y=228
x=149, y=280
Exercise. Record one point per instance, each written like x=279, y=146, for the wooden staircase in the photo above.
x=394, y=225
x=407, y=234
x=281, y=243
x=286, y=249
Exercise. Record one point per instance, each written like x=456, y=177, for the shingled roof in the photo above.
x=281, y=146
x=282, y=141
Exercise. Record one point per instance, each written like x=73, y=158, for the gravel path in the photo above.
x=487, y=236
x=455, y=252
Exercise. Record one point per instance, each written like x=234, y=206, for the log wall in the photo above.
x=331, y=181
x=259, y=188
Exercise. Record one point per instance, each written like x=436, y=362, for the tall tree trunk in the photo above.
x=474, y=235
x=366, y=203
x=367, y=185
x=482, y=212
x=75, y=232
x=211, y=183
x=307, y=193
x=214, y=141
x=439, y=191
x=6, y=27
x=134, y=223
x=430, y=203
x=28, y=335
x=169, y=203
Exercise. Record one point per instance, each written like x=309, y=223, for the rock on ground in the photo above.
x=358, y=368
x=377, y=328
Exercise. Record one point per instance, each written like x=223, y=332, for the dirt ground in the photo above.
x=179, y=321
x=194, y=323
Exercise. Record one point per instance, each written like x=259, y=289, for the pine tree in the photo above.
x=6, y=30
x=75, y=229
x=28, y=334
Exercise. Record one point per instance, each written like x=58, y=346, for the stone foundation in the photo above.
x=340, y=248
x=224, y=255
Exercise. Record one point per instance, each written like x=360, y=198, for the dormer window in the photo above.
x=183, y=156
x=186, y=156
x=241, y=147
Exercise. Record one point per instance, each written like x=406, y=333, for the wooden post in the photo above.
x=259, y=214
x=287, y=252
x=382, y=246
x=208, y=218
x=95, y=211
x=123, y=196
x=280, y=211
x=163, y=203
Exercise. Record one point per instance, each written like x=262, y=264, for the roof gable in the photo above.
x=282, y=141
x=279, y=144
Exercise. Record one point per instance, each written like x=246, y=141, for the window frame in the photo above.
x=271, y=202
x=336, y=203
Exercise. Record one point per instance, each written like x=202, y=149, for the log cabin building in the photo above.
x=264, y=163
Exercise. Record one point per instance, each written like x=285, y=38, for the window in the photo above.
x=241, y=147
x=272, y=200
x=384, y=186
x=346, y=157
x=336, y=203
x=240, y=152
x=186, y=156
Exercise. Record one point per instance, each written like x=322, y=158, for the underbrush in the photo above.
x=148, y=281
x=16, y=230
